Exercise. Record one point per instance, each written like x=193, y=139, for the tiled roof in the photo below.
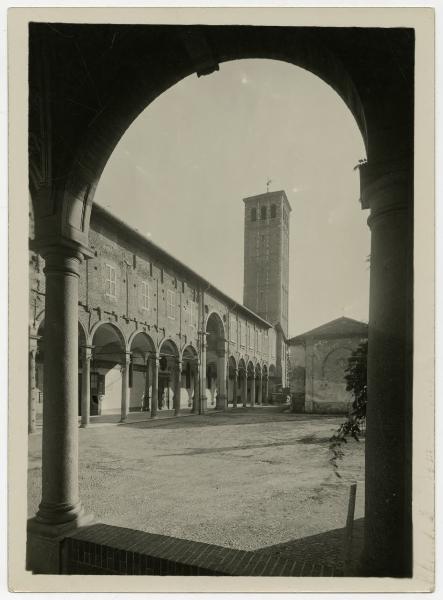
x=343, y=326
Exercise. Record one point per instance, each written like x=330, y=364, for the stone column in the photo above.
x=260, y=389
x=31, y=386
x=154, y=397
x=388, y=472
x=245, y=389
x=60, y=510
x=177, y=387
x=195, y=399
x=86, y=385
x=234, y=387
x=253, y=390
x=146, y=402
x=203, y=376
x=125, y=386
x=221, y=381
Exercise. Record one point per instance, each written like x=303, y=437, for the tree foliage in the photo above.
x=357, y=383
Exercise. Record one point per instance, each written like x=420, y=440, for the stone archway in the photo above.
x=169, y=377
x=142, y=351
x=110, y=371
x=232, y=391
x=242, y=381
x=190, y=378
x=258, y=384
x=250, y=383
x=215, y=362
x=36, y=372
x=70, y=141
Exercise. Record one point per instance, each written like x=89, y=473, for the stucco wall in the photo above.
x=317, y=370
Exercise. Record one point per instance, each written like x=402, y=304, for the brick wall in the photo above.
x=108, y=550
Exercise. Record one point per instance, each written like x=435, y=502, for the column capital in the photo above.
x=386, y=185
x=86, y=351
x=127, y=357
x=58, y=245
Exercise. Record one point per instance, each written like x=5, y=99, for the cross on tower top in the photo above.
x=267, y=184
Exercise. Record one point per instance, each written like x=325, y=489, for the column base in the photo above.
x=220, y=403
x=43, y=544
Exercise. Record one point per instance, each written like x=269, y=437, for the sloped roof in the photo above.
x=343, y=326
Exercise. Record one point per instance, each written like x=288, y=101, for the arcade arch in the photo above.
x=215, y=362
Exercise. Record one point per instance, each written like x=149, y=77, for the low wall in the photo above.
x=102, y=549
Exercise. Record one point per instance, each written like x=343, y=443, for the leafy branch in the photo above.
x=356, y=382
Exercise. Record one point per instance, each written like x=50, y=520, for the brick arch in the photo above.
x=40, y=323
x=91, y=131
x=150, y=343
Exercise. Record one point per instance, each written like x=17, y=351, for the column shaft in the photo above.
x=146, y=403
x=253, y=391
x=203, y=377
x=60, y=497
x=86, y=385
x=260, y=390
x=244, y=386
x=234, y=399
x=195, y=399
x=32, y=389
x=221, y=382
x=177, y=388
x=388, y=473
x=125, y=387
x=154, y=397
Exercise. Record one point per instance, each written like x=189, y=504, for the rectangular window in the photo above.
x=111, y=282
x=233, y=329
x=192, y=315
x=251, y=337
x=273, y=211
x=263, y=212
x=146, y=295
x=170, y=304
x=253, y=214
x=243, y=334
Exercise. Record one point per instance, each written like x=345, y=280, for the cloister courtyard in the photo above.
x=249, y=479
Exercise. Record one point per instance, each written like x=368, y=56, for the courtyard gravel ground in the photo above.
x=246, y=479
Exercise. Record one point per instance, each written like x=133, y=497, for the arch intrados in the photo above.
x=112, y=327
x=164, y=346
x=215, y=317
x=189, y=353
x=299, y=49
x=232, y=362
x=149, y=342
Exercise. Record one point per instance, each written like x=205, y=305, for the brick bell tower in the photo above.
x=266, y=256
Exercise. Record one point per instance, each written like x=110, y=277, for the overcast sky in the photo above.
x=180, y=172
